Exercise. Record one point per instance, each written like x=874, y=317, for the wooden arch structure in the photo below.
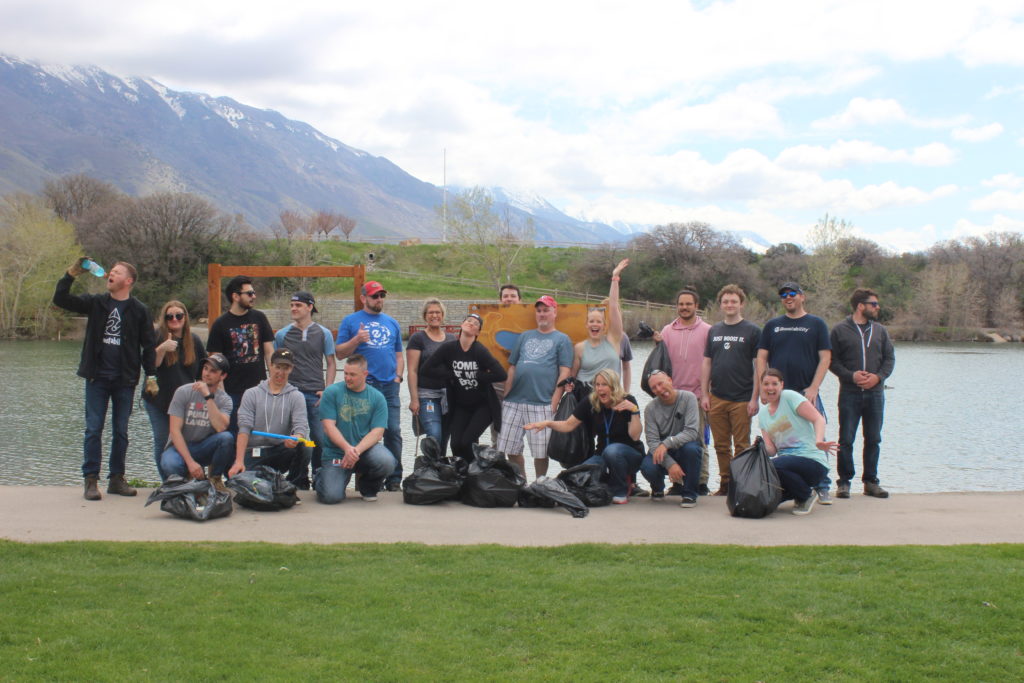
x=215, y=272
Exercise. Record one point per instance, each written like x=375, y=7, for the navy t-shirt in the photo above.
x=793, y=345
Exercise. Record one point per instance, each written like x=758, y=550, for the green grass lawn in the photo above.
x=173, y=611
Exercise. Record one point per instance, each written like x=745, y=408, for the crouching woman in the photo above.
x=794, y=433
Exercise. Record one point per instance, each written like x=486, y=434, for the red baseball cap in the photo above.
x=547, y=301
x=373, y=287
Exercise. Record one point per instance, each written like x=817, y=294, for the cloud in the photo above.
x=864, y=112
x=858, y=152
x=997, y=42
x=902, y=240
x=1001, y=200
x=999, y=223
x=1005, y=180
x=979, y=134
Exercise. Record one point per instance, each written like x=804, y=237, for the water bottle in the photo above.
x=93, y=267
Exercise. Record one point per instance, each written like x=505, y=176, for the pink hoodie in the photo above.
x=686, y=350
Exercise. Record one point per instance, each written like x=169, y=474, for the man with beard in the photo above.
x=862, y=358
x=377, y=337
x=243, y=334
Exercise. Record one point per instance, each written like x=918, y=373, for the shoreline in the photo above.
x=47, y=514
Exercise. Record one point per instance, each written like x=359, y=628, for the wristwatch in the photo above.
x=208, y=397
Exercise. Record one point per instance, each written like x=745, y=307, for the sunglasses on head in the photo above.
x=174, y=316
x=788, y=295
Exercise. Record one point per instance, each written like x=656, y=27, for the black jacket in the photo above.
x=851, y=351
x=138, y=347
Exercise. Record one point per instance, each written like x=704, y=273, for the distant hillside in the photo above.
x=144, y=137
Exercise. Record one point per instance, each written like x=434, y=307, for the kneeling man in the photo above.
x=354, y=416
x=276, y=407
x=671, y=429
x=199, y=415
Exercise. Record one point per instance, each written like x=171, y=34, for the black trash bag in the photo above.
x=195, y=499
x=434, y=478
x=546, y=492
x=491, y=480
x=569, y=448
x=263, y=488
x=754, y=489
x=658, y=360
x=584, y=482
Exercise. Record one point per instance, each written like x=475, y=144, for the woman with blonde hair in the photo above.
x=602, y=349
x=613, y=417
x=179, y=359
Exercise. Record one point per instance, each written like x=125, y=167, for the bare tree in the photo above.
x=479, y=233
x=327, y=221
x=289, y=224
x=71, y=196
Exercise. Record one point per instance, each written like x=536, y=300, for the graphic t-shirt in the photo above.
x=732, y=350
x=791, y=434
x=793, y=345
x=355, y=413
x=190, y=406
x=467, y=373
x=537, y=358
x=385, y=342
x=113, y=334
x=241, y=339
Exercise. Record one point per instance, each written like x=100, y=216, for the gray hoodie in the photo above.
x=673, y=425
x=283, y=413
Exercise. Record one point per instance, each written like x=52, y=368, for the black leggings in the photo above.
x=467, y=424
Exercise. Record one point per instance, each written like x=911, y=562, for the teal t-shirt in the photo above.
x=355, y=414
x=791, y=434
x=537, y=357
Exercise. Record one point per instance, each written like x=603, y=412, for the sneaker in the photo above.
x=803, y=507
x=370, y=497
x=657, y=495
x=639, y=492
x=843, y=489
x=688, y=502
x=824, y=497
x=393, y=486
x=874, y=490
x=703, y=490
x=620, y=500
x=675, y=490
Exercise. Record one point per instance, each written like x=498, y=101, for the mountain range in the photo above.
x=144, y=137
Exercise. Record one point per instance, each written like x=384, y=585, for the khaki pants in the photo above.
x=730, y=431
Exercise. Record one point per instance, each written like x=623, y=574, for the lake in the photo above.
x=952, y=420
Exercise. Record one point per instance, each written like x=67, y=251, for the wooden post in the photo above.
x=215, y=272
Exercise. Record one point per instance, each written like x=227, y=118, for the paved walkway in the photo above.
x=59, y=513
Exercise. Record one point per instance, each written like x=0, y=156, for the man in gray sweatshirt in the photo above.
x=675, y=448
x=274, y=406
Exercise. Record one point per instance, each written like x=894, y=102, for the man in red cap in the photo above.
x=539, y=362
x=378, y=338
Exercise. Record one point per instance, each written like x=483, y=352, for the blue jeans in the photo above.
x=432, y=422
x=98, y=393
x=688, y=456
x=825, y=483
x=856, y=407
x=622, y=462
x=373, y=467
x=161, y=424
x=797, y=475
x=316, y=428
x=393, y=432
x=216, y=451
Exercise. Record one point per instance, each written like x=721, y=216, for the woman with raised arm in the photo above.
x=613, y=416
x=794, y=432
x=468, y=369
x=179, y=358
x=601, y=350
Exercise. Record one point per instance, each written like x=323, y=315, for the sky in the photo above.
x=902, y=118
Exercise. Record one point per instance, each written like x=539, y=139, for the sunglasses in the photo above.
x=174, y=316
x=788, y=295
x=379, y=295
x=251, y=292
x=871, y=303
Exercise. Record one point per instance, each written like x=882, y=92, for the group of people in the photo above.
x=251, y=397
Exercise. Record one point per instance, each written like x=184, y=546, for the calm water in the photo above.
x=952, y=419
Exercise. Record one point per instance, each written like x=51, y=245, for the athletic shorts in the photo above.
x=513, y=417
